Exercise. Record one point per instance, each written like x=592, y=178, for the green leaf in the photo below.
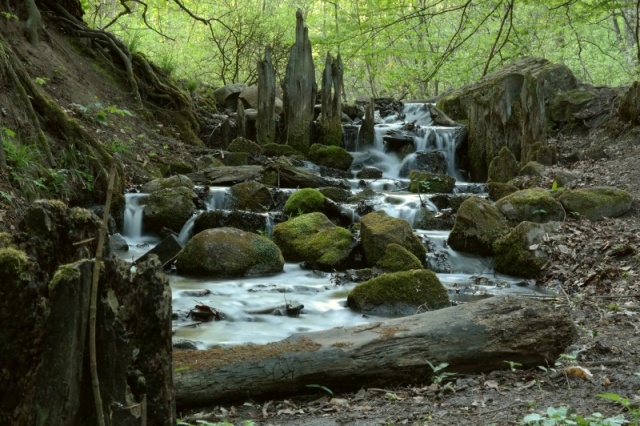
x=324, y=388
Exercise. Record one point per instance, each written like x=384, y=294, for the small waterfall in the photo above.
x=217, y=198
x=133, y=214
x=268, y=225
x=187, y=230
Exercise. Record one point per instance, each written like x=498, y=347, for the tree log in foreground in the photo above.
x=472, y=338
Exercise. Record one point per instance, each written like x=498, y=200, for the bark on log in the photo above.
x=473, y=338
x=299, y=90
x=331, y=111
x=266, y=123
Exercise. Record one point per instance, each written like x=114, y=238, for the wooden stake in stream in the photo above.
x=95, y=382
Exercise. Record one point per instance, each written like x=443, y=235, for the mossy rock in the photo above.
x=251, y=196
x=306, y=200
x=170, y=208
x=378, y=230
x=235, y=159
x=430, y=183
x=596, y=203
x=399, y=293
x=520, y=252
x=5, y=240
x=565, y=105
x=427, y=219
x=279, y=150
x=229, y=252
x=314, y=239
x=533, y=205
x=177, y=181
x=245, y=145
x=542, y=153
x=364, y=195
x=499, y=190
x=397, y=258
x=330, y=156
x=339, y=195
x=240, y=219
x=478, y=224
x=503, y=167
x=532, y=168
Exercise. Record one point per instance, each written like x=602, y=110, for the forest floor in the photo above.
x=595, y=274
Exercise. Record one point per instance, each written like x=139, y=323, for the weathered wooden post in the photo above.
x=265, y=123
x=331, y=112
x=367, y=134
x=299, y=90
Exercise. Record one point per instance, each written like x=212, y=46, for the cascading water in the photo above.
x=466, y=277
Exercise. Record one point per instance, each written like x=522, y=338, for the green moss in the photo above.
x=397, y=258
x=534, y=205
x=430, y=183
x=5, y=240
x=513, y=252
x=498, y=190
x=330, y=156
x=265, y=252
x=251, y=196
x=532, y=168
x=331, y=133
x=338, y=195
x=245, y=145
x=378, y=230
x=596, y=203
x=279, y=150
x=177, y=181
x=478, y=224
x=65, y=273
x=413, y=288
x=235, y=159
x=305, y=200
x=13, y=264
x=170, y=208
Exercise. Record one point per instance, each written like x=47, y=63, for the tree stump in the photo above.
x=266, y=124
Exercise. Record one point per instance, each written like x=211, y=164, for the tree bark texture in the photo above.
x=367, y=135
x=331, y=111
x=472, y=338
x=299, y=90
x=266, y=123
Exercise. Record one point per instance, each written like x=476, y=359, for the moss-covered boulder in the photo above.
x=257, y=223
x=532, y=168
x=498, y=190
x=542, y=153
x=430, y=183
x=170, y=208
x=399, y=293
x=306, y=200
x=234, y=159
x=229, y=252
x=339, y=195
x=503, y=167
x=521, y=253
x=177, y=181
x=596, y=203
x=397, y=258
x=378, y=230
x=279, y=150
x=330, y=156
x=251, y=196
x=314, y=239
x=533, y=205
x=245, y=145
x=478, y=224
x=14, y=267
x=565, y=105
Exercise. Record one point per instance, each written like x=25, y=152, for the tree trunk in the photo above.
x=266, y=124
x=472, y=338
x=331, y=112
x=299, y=90
x=367, y=135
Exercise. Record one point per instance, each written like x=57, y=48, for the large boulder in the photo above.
x=251, y=196
x=306, y=200
x=378, y=230
x=533, y=205
x=229, y=252
x=245, y=145
x=503, y=167
x=227, y=96
x=478, y=224
x=596, y=203
x=426, y=161
x=521, y=253
x=168, y=208
x=399, y=293
x=258, y=223
x=507, y=108
x=314, y=239
x=177, y=181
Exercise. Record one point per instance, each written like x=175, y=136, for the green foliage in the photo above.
x=98, y=112
x=438, y=376
x=564, y=416
x=41, y=80
x=626, y=403
x=324, y=388
x=513, y=365
x=9, y=16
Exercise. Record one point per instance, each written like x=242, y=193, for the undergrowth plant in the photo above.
x=98, y=112
x=565, y=416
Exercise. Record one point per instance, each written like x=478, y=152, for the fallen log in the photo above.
x=472, y=338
